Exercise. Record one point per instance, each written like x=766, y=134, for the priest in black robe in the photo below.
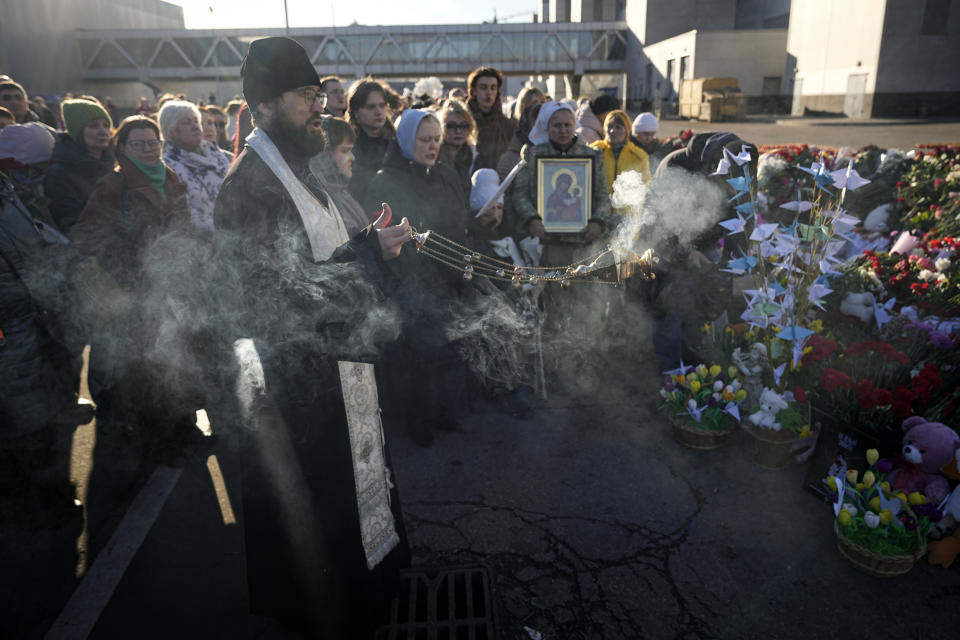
x=306, y=314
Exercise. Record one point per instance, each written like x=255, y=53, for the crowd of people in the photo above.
x=254, y=259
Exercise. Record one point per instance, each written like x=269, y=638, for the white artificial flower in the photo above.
x=663, y=393
x=718, y=385
x=926, y=275
x=871, y=519
x=691, y=404
x=849, y=508
x=942, y=264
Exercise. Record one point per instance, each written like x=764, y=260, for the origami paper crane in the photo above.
x=746, y=207
x=809, y=232
x=728, y=160
x=794, y=332
x=797, y=205
x=741, y=158
x=763, y=231
x=741, y=265
x=679, y=371
x=821, y=176
x=778, y=373
x=882, y=313
x=848, y=178
x=764, y=309
x=734, y=225
x=733, y=410
x=816, y=292
x=797, y=353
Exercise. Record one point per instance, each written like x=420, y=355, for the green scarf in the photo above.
x=156, y=173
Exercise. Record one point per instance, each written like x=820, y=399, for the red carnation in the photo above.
x=883, y=398
x=799, y=394
x=902, y=394
x=831, y=380
x=901, y=409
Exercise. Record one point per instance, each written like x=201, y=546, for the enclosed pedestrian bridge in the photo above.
x=425, y=50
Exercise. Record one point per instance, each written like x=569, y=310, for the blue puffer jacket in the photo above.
x=31, y=384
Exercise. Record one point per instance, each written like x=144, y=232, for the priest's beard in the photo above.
x=306, y=140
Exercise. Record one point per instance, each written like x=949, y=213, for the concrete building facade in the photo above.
x=755, y=57
x=670, y=40
x=875, y=58
x=37, y=45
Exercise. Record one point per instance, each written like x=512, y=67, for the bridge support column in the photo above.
x=573, y=82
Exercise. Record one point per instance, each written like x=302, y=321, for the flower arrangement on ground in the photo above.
x=704, y=397
x=869, y=514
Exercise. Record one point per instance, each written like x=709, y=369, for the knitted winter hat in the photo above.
x=77, y=113
x=274, y=65
x=645, y=122
x=485, y=183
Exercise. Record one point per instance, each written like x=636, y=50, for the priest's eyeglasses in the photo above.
x=143, y=145
x=312, y=96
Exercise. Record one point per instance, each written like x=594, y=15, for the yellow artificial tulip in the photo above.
x=902, y=497
x=886, y=516
x=702, y=371
x=916, y=498
x=844, y=518
x=886, y=486
x=869, y=479
x=740, y=395
x=805, y=432
x=872, y=456
x=852, y=475
x=715, y=370
x=875, y=504
x=733, y=372
x=860, y=486
x=682, y=380
x=695, y=386
x=706, y=327
x=832, y=483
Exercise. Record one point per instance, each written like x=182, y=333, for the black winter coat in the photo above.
x=431, y=199
x=69, y=181
x=302, y=537
x=33, y=378
x=368, y=153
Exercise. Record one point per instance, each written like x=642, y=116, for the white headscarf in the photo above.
x=539, y=133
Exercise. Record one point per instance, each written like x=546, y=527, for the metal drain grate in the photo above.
x=453, y=603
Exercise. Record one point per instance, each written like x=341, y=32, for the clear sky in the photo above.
x=233, y=14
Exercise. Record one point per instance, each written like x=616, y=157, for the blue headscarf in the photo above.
x=407, y=130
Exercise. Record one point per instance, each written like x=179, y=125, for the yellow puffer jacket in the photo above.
x=632, y=158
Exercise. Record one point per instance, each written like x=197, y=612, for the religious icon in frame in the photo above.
x=564, y=193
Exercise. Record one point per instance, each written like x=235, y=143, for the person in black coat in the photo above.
x=299, y=298
x=82, y=155
x=37, y=386
x=427, y=292
x=369, y=113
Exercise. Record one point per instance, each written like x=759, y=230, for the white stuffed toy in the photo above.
x=859, y=305
x=771, y=403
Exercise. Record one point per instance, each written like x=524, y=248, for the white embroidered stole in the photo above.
x=324, y=226
x=370, y=472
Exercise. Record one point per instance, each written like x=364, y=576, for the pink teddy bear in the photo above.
x=927, y=446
